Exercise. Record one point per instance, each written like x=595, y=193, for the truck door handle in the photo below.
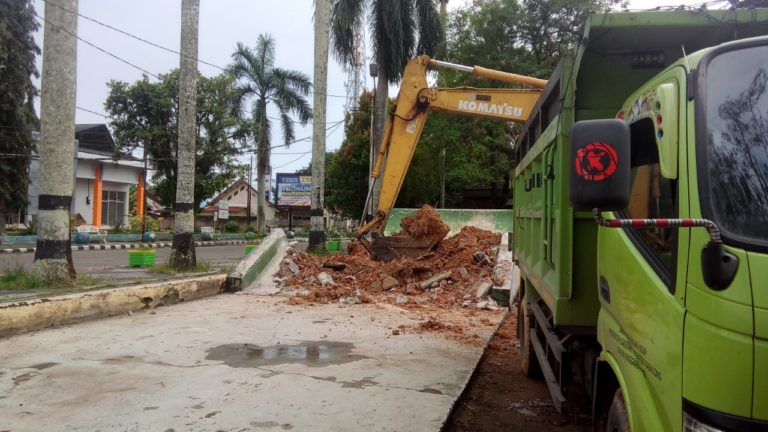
x=605, y=290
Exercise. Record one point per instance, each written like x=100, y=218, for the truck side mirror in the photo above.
x=599, y=165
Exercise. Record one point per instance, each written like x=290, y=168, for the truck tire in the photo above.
x=528, y=360
x=617, y=419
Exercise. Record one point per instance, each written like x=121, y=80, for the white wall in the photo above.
x=86, y=169
x=83, y=190
x=120, y=174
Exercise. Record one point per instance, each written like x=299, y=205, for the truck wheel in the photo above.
x=618, y=419
x=528, y=360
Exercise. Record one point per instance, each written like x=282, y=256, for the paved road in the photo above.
x=236, y=363
x=100, y=260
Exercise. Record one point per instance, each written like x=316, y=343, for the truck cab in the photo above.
x=665, y=330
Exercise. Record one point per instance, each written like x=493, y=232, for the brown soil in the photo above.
x=464, y=261
x=424, y=224
x=501, y=398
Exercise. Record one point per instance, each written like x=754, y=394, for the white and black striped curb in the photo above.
x=128, y=246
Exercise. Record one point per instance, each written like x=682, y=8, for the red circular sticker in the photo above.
x=596, y=161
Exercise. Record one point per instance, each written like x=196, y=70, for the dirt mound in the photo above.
x=424, y=224
x=450, y=283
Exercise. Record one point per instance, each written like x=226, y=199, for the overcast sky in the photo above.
x=223, y=23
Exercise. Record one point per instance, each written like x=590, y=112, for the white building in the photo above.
x=102, y=185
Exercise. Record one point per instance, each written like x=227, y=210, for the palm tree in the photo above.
x=400, y=30
x=260, y=82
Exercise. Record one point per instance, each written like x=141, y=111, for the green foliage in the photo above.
x=259, y=82
x=145, y=114
x=346, y=179
x=231, y=227
x=31, y=228
x=17, y=93
x=135, y=224
x=16, y=278
x=252, y=228
x=200, y=267
x=525, y=37
x=400, y=30
x=121, y=228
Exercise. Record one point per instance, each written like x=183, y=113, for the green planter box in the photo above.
x=250, y=247
x=333, y=245
x=141, y=258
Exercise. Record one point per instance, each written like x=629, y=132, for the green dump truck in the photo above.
x=656, y=302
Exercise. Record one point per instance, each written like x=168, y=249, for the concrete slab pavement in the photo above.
x=235, y=362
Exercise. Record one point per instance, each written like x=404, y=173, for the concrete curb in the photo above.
x=506, y=275
x=128, y=246
x=30, y=315
x=250, y=267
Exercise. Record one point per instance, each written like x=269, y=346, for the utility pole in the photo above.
x=250, y=171
x=183, y=253
x=144, y=192
x=374, y=70
x=443, y=48
x=316, y=219
x=53, y=256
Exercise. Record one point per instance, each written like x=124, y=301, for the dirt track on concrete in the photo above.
x=501, y=398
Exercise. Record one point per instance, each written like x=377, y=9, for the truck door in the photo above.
x=640, y=326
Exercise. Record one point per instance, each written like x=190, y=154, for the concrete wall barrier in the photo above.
x=491, y=220
x=29, y=315
x=250, y=267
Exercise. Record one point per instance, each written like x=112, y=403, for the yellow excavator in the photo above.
x=405, y=124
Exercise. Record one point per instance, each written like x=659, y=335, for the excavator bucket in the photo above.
x=387, y=248
x=421, y=232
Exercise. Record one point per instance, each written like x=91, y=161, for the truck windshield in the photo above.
x=736, y=134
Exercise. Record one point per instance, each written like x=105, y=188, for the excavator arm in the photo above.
x=403, y=130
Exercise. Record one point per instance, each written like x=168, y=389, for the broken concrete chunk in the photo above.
x=389, y=283
x=325, y=279
x=375, y=287
x=481, y=258
x=483, y=288
x=464, y=273
x=335, y=265
x=292, y=266
x=434, y=279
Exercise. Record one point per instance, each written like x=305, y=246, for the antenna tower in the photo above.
x=355, y=83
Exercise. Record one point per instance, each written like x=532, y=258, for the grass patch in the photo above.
x=165, y=268
x=17, y=278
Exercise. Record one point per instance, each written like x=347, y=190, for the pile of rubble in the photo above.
x=458, y=273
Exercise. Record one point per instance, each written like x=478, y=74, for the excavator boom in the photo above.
x=403, y=130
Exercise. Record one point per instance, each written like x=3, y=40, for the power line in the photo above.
x=133, y=36
x=97, y=47
x=137, y=38
x=335, y=127
x=92, y=112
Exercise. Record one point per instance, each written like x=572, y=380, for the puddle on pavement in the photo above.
x=315, y=354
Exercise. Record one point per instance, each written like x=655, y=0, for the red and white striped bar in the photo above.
x=714, y=232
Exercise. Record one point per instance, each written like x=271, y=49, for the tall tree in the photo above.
x=400, y=29
x=261, y=82
x=348, y=169
x=53, y=256
x=183, y=253
x=17, y=114
x=316, y=220
x=145, y=114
